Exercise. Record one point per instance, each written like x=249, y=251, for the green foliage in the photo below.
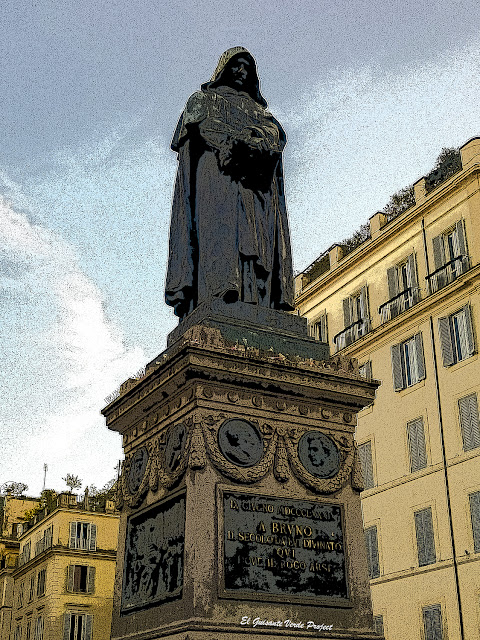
x=14, y=488
x=317, y=268
x=356, y=239
x=400, y=202
x=97, y=498
x=74, y=482
x=48, y=499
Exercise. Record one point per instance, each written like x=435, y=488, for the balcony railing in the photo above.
x=447, y=273
x=351, y=333
x=399, y=303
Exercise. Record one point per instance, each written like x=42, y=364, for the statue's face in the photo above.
x=238, y=72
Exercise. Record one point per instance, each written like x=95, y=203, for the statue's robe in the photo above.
x=229, y=233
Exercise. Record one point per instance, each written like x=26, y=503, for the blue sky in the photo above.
x=91, y=92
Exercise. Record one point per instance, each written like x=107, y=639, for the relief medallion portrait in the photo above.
x=137, y=469
x=319, y=454
x=240, y=442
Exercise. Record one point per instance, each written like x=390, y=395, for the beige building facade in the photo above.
x=61, y=584
x=406, y=303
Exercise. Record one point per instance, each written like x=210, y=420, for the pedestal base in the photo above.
x=240, y=496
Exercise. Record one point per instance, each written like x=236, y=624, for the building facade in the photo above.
x=406, y=304
x=62, y=584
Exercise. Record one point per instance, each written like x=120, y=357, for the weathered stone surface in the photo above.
x=194, y=412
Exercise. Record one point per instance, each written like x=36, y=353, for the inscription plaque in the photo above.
x=283, y=547
x=153, y=566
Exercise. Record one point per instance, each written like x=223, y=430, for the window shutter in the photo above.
x=90, y=579
x=397, y=369
x=365, y=309
x=469, y=422
x=371, y=540
x=446, y=341
x=88, y=627
x=73, y=535
x=432, y=622
x=469, y=330
x=70, y=577
x=365, y=453
x=416, y=445
x=366, y=370
x=412, y=277
x=49, y=537
x=378, y=625
x=438, y=252
x=347, y=312
x=392, y=282
x=323, y=327
x=67, y=621
x=425, y=537
x=474, y=499
x=93, y=537
x=462, y=245
x=420, y=356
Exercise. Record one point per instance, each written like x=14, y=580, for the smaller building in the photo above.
x=60, y=585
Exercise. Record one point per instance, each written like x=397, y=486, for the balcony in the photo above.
x=351, y=333
x=398, y=304
x=447, y=273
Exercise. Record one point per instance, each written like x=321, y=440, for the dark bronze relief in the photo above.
x=153, y=566
x=319, y=454
x=240, y=442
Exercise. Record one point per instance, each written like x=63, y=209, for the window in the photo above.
x=432, y=622
x=80, y=578
x=449, y=256
x=77, y=626
x=31, y=592
x=416, y=445
x=18, y=632
x=456, y=336
x=83, y=535
x=41, y=582
x=28, y=629
x=408, y=364
x=365, y=453
x=319, y=328
x=21, y=589
x=403, y=291
x=373, y=562
x=425, y=539
x=39, y=628
x=25, y=555
x=45, y=541
x=365, y=370
x=469, y=423
x=356, y=319
x=474, y=499
x=378, y=625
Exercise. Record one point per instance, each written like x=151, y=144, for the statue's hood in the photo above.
x=225, y=58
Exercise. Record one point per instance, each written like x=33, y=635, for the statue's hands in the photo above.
x=254, y=138
x=225, y=153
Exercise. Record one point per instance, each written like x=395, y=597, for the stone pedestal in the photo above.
x=240, y=496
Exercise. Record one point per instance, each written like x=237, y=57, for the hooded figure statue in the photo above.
x=229, y=233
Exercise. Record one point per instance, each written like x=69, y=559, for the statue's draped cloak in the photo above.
x=229, y=231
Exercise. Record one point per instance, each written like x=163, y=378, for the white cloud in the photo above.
x=76, y=347
x=361, y=135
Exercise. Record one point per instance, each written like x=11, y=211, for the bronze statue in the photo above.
x=229, y=233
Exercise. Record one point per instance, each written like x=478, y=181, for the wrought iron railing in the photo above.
x=399, y=303
x=351, y=333
x=447, y=273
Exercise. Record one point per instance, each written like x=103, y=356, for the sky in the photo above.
x=368, y=92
